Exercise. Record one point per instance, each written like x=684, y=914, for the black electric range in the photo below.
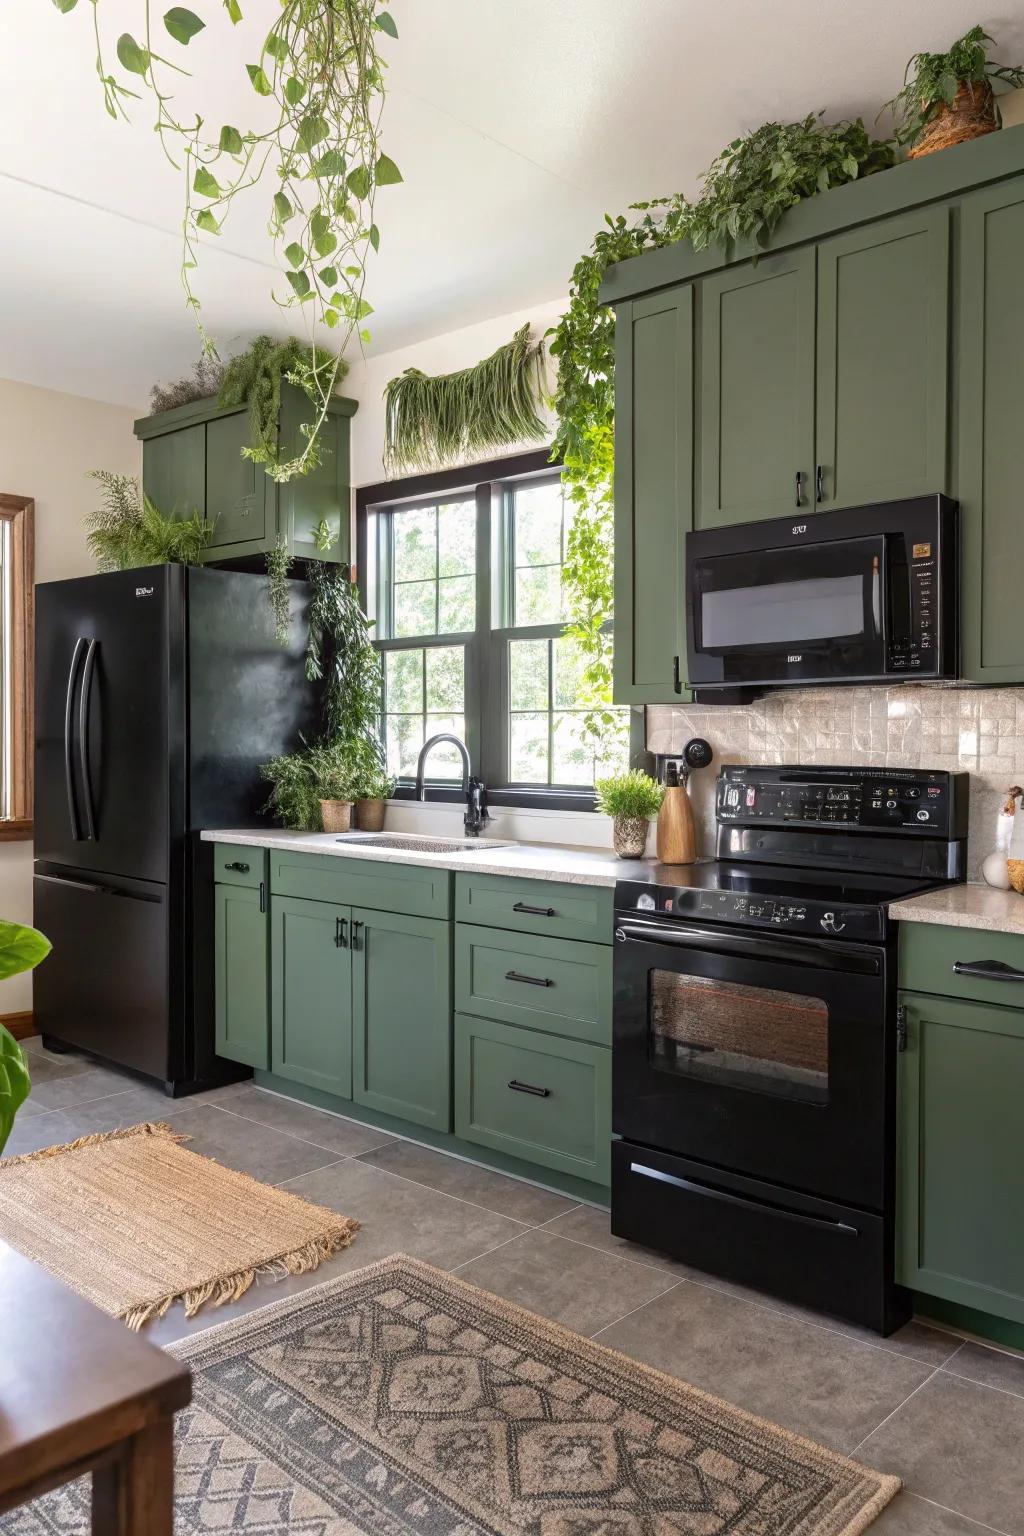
x=756, y=1032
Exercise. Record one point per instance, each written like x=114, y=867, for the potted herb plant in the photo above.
x=312, y=790
x=373, y=789
x=947, y=98
x=630, y=799
x=21, y=949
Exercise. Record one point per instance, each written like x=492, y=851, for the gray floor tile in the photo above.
x=960, y=1444
x=343, y=1137
x=481, y=1186
x=990, y=1367
x=399, y=1217
x=909, y=1515
x=575, y=1286
x=586, y=1224
x=32, y=1132
x=817, y=1382
x=63, y=1088
x=257, y=1150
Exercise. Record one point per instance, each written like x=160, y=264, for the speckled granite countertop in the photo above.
x=533, y=861
x=965, y=906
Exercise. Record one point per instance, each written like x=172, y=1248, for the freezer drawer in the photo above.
x=105, y=989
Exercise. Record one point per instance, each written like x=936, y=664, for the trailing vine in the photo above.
x=744, y=194
x=279, y=564
x=254, y=378
x=320, y=68
x=340, y=653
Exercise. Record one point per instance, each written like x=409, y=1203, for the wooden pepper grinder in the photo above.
x=676, y=834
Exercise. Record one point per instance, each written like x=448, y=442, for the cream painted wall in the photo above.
x=367, y=377
x=47, y=443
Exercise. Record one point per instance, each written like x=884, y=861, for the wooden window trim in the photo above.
x=19, y=513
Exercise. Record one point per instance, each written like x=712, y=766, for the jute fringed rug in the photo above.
x=400, y=1401
x=134, y=1222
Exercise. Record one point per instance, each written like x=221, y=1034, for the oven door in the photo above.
x=761, y=1054
x=807, y=612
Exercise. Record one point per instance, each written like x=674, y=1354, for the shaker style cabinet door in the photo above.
x=311, y=994
x=240, y=966
x=961, y=1153
x=991, y=439
x=237, y=490
x=174, y=471
x=883, y=345
x=653, y=492
x=757, y=390
x=401, y=1016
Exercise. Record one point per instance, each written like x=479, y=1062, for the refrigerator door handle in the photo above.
x=84, y=700
x=77, y=885
x=69, y=715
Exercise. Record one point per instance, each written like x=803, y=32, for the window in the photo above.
x=16, y=555
x=465, y=587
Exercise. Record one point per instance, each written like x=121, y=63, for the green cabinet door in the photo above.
x=757, y=390
x=653, y=492
x=239, y=495
x=882, y=353
x=961, y=1151
x=240, y=969
x=401, y=1016
x=174, y=471
x=311, y=994
x=991, y=442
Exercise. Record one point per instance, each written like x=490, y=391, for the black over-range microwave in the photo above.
x=862, y=595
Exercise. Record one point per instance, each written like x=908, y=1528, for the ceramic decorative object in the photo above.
x=993, y=868
x=1015, y=852
x=629, y=836
x=336, y=815
x=370, y=815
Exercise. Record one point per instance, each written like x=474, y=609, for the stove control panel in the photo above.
x=813, y=916
x=906, y=801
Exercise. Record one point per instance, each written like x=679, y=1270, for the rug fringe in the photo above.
x=145, y=1128
x=226, y=1288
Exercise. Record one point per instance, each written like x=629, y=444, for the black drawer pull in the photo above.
x=263, y=896
x=521, y=906
x=529, y=981
x=709, y=1192
x=242, y=869
x=987, y=970
x=340, y=932
x=538, y=1093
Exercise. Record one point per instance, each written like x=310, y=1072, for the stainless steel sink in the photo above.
x=413, y=843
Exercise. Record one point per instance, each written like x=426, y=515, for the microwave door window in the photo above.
x=783, y=613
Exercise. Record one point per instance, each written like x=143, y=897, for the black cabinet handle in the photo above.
x=819, y=482
x=530, y=981
x=263, y=897
x=800, y=478
x=243, y=869
x=356, y=925
x=522, y=906
x=987, y=970
x=340, y=933
x=677, y=682
x=538, y=1093
x=901, y=1027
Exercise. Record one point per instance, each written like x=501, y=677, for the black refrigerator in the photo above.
x=159, y=692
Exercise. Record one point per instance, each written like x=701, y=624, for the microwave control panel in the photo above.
x=914, y=650
x=901, y=800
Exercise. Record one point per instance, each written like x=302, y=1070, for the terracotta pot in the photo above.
x=370, y=815
x=629, y=836
x=336, y=815
x=970, y=114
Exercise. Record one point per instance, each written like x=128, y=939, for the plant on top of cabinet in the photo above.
x=318, y=158
x=129, y=530
x=254, y=378
x=947, y=97
x=630, y=799
x=201, y=384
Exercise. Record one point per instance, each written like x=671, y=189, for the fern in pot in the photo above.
x=630, y=799
x=312, y=789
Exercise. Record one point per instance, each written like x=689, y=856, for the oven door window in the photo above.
x=739, y=1036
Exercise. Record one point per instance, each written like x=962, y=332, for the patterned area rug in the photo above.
x=400, y=1401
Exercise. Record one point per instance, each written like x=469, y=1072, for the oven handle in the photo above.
x=822, y=954
x=841, y=1228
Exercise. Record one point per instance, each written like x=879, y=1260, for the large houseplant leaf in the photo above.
x=14, y=1082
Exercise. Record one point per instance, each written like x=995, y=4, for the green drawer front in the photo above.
x=929, y=951
x=235, y=864
x=409, y=889
x=535, y=906
x=550, y=984
x=566, y=1125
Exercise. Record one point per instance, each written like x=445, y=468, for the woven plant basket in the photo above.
x=336, y=815
x=970, y=114
x=370, y=815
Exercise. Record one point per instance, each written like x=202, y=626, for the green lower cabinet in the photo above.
x=961, y=1151
x=240, y=964
x=534, y=1096
x=557, y=985
x=401, y=1016
x=311, y=994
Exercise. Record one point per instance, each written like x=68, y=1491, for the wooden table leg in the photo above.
x=133, y=1494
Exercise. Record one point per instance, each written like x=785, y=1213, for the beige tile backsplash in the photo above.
x=980, y=730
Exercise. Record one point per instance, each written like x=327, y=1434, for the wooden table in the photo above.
x=79, y=1393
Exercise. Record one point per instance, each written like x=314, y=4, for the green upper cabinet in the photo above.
x=401, y=1016
x=757, y=390
x=192, y=460
x=991, y=440
x=311, y=994
x=653, y=491
x=882, y=357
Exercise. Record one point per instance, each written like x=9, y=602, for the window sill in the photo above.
x=511, y=799
x=16, y=830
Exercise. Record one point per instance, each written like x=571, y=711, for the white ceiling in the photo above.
x=517, y=124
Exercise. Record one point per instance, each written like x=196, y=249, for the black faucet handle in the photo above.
x=476, y=806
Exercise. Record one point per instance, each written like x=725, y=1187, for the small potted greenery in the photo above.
x=312, y=790
x=374, y=787
x=630, y=799
x=21, y=949
x=947, y=97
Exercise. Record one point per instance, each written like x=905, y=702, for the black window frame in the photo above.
x=486, y=677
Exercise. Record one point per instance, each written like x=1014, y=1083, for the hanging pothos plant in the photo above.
x=320, y=159
x=744, y=194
